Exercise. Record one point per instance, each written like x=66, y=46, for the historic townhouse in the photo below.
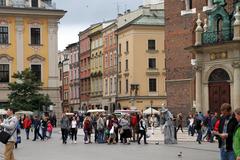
x=63, y=65
x=28, y=39
x=96, y=66
x=85, y=70
x=74, y=78
x=141, y=58
x=110, y=66
x=202, y=54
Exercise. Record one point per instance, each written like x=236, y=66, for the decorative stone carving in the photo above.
x=237, y=24
x=205, y=27
x=236, y=64
x=215, y=56
x=199, y=30
x=4, y=58
x=36, y=58
x=197, y=68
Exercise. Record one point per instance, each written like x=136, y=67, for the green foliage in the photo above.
x=25, y=92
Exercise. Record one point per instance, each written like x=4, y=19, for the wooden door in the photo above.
x=219, y=93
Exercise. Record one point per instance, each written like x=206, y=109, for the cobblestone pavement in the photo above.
x=53, y=149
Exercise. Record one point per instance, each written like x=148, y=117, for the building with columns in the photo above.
x=217, y=52
x=201, y=61
x=29, y=39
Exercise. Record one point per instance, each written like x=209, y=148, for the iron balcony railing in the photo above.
x=217, y=36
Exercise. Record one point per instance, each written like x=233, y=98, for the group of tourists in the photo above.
x=130, y=128
x=106, y=128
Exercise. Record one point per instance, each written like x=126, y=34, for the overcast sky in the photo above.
x=83, y=13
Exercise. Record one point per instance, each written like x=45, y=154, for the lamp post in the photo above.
x=151, y=102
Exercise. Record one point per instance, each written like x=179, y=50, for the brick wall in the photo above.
x=179, y=34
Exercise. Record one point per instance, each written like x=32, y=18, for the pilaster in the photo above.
x=19, y=41
x=236, y=85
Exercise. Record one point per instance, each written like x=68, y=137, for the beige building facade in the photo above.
x=141, y=63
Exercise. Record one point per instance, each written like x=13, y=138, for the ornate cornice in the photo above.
x=9, y=58
x=36, y=56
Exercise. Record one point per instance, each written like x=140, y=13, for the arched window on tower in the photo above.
x=219, y=28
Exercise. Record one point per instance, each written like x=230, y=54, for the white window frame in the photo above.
x=188, y=11
x=8, y=26
x=36, y=25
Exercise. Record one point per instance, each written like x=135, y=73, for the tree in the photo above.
x=25, y=92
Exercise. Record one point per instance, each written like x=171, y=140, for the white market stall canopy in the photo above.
x=150, y=111
x=96, y=110
x=3, y=112
x=24, y=112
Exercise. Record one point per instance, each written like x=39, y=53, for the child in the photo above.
x=49, y=129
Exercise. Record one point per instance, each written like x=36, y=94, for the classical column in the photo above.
x=198, y=70
x=187, y=3
x=237, y=25
x=52, y=51
x=19, y=42
x=236, y=85
x=210, y=3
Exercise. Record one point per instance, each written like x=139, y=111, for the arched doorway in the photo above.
x=219, y=89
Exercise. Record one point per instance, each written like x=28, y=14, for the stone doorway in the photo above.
x=219, y=89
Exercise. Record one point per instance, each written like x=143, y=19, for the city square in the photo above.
x=120, y=79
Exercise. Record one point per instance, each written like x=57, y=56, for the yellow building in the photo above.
x=96, y=65
x=141, y=81
x=28, y=39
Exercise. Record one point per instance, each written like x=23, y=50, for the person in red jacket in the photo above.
x=27, y=125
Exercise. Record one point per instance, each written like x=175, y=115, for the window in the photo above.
x=190, y=4
x=111, y=85
x=2, y=2
x=151, y=63
x=126, y=85
x=3, y=35
x=36, y=69
x=35, y=36
x=126, y=64
x=119, y=63
x=111, y=60
x=4, y=73
x=115, y=85
x=127, y=46
x=106, y=60
x=34, y=3
x=120, y=86
x=106, y=86
x=120, y=49
x=152, y=85
x=151, y=45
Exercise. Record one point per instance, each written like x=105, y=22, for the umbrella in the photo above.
x=3, y=111
x=150, y=111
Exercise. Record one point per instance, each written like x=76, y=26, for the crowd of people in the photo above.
x=130, y=128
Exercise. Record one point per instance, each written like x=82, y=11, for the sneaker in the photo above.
x=75, y=142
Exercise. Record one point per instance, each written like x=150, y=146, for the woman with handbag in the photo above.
x=9, y=126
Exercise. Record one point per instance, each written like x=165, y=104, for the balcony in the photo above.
x=44, y=4
x=217, y=37
x=152, y=71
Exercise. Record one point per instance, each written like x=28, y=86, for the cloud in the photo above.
x=82, y=13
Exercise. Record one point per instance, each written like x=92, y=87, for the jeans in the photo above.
x=27, y=132
x=226, y=155
x=100, y=136
x=74, y=134
x=142, y=134
x=199, y=136
x=64, y=135
x=36, y=133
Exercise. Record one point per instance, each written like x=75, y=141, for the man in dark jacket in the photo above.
x=226, y=129
x=36, y=125
x=65, y=125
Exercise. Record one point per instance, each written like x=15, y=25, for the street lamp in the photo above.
x=151, y=102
